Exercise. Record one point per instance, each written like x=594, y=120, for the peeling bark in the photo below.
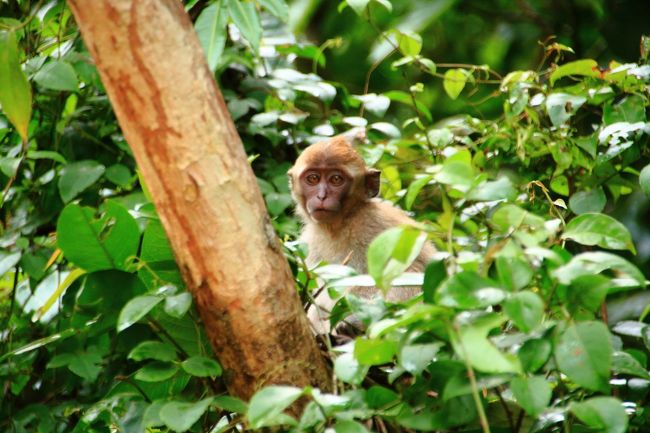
x=192, y=159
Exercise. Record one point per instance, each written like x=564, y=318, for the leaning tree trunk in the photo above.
x=192, y=159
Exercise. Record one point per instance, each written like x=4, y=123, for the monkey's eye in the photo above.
x=337, y=180
x=312, y=179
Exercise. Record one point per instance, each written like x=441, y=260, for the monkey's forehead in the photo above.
x=336, y=152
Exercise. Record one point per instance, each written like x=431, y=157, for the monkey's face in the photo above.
x=324, y=190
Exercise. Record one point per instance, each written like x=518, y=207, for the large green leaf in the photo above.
x=267, y=405
x=584, y=354
x=15, y=91
x=603, y=414
x=245, y=16
x=472, y=343
x=584, y=67
x=156, y=371
x=561, y=106
x=532, y=393
x=135, y=310
x=279, y=8
x=95, y=244
x=593, y=200
x=180, y=416
x=78, y=176
x=201, y=366
x=374, y=351
x=599, y=229
x=468, y=289
x=596, y=262
x=211, y=28
x=454, y=82
x=153, y=350
x=57, y=75
x=525, y=309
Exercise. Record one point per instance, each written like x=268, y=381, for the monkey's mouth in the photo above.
x=322, y=213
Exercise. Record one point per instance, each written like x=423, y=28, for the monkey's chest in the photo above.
x=337, y=251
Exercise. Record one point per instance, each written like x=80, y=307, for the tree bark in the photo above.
x=176, y=122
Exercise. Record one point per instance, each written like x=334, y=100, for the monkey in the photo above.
x=335, y=195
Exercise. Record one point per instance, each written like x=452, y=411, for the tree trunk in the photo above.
x=192, y=159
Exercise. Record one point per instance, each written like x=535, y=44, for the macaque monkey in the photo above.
x=334, y=193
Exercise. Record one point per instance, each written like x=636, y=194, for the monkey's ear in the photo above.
x=372, y=182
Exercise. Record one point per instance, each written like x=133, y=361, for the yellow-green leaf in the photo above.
x=15, y=92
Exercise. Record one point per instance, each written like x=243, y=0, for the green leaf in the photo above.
x=96, y=244
x=177, y=305
x=348, y=369
x=202, y=367
x=277, y=8
x=349, y=426
x=153, y=350
x=414, y=189
x=244, y=15
x=77, y=176
x=561, y=106
x=410, y=44
x=468, y=290
x=584, y=354
x=230, y=404
x=599, y=229
x=454, y=82
x=406, y=98
x=624, y=363
x=211, y=28
x=525, y=309
x=532, y=393
x=156, y=371
x=181, y=416
x=358, y=6
x=434, y=274
x=499, y=189
x=644, y=180
x=374, y=103
x=374, y=351
x=8, y=261
x=15, y=91
x=593, y=200
x=604, y=414
x=86, y=365
x=596, y=262
x=57, y=75
x=471, y=342
x=135, y=310
x=584, y=67
x=119, y=174
x=534, y=353
x=266, y=406
x=414, y=358
x=392, y=252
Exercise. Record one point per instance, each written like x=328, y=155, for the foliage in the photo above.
x=529, y=319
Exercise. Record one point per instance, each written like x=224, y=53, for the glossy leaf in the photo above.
x=57, y=75
x=245, y=16
x=135, y=310
x=178, y=305
x=15, y=91
x=153, y=350
x=525, y=309
x=156, y=371
x=605, y=414
x=201, y=366
x=374, y=351
x=267, y=405
x=561, y=106
x=181, y=416
x=599, y=229
x=468, y=290
x=644, y=180
x=454, y=82
x=78, y=176
x=584, y=67
x=590, y=201
x=584, y=354
x=95, y=244
x=596, y=262
x=211, y=28
x=532, y=393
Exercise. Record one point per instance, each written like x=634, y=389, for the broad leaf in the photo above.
x=156, y=371
x=180, y=416
x=599, y=229
x=468, y=290
x=593, y=200
x=153, y=350
x=532, y=393
x=57, y=75
x=596, y=262
x=245, y=16
x=266, y=406
x=95, y=244
x=201, y=366
x=584, y=354
x=78, y=176
x=135, y=310
x=584, y=67
x=211, y=28
x=454, y=82
x=525, y=309
x=15, y=91
x=374, y=351
x=604, y=414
